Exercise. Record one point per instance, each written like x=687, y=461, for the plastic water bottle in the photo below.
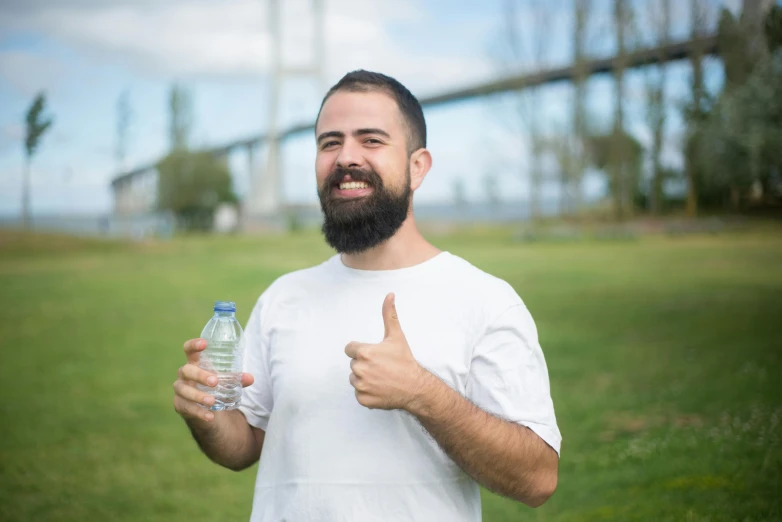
x=223, y=356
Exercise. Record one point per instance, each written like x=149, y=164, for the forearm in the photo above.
x=505, y=457
x=228, y=440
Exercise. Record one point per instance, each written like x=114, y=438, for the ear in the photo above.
x=420, y=163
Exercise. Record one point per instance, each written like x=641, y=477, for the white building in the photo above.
x=135, y=192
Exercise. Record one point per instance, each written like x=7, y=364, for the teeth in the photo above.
x=353, y=185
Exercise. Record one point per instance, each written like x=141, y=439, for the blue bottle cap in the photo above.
x=225, y=306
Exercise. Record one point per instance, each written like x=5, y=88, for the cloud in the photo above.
x=188, y=36
x=29, y=72
x=24, y=6
x=419, y=70
x=176, y=38
x=231, y=38
x=222, y=49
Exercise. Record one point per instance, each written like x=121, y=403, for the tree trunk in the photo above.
x=528, y=101
x=656, y=192
x=582, y=8
x=696, y=59
x=657, y=100
x=26, y=194
x=657, y=122
x=690, y=159
x=536, y=177
x=565, y=159
x=617, y=155
x=735, y=198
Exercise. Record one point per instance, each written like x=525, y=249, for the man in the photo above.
x=385, y=382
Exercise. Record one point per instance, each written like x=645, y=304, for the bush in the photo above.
x=191, y=185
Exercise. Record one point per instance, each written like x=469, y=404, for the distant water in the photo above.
x=141, y=226
x=160, y=225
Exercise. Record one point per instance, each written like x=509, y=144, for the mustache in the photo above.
x=368, y=176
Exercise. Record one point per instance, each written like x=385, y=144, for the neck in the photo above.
x=404, y=249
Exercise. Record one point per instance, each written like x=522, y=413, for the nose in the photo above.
x=350, y=155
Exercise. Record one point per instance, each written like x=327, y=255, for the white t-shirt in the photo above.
x=327, y=458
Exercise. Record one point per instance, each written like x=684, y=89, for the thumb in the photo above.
x=390, y=318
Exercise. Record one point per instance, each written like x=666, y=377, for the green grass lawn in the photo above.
x=665, y=357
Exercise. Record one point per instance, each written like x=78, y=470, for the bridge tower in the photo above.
x=265, y=206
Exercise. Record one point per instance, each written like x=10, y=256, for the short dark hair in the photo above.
x=367, y=81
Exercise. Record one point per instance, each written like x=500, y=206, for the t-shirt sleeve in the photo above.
x=508, y=375
x=257, y=400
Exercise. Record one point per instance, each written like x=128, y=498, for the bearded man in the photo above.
x=389, y=381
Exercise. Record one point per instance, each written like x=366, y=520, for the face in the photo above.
x=363, y=170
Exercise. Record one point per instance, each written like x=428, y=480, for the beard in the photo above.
x=354, y=225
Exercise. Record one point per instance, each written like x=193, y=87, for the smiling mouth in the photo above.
x=352, y=189
x=353, y=185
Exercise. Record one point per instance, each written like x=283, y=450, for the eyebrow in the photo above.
x=357, y=132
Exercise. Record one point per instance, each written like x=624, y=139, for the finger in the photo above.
x=247, y=380
x=356, y=367
x=353, y=380
x=192, y=394
x=192, y=372
x=390, y=317
x=193, y=347
x=351, y=350
x=190, y=409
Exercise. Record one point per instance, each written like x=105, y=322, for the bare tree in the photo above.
x=617, y=171
x=36, y=126
x=124, y=118
x=582, y=11
x=180, y=107
x=528, y=48
x=699, y=22
x=565, y=150
x=659, y=15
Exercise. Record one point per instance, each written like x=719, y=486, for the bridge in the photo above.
x=126, y=185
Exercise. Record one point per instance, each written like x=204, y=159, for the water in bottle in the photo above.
x=223, y=356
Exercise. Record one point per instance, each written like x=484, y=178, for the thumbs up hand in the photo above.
x=385, y=375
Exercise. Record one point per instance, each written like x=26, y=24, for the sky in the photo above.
x=85, y=53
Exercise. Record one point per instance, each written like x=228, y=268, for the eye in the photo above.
x=329, y=144
x=373, y=141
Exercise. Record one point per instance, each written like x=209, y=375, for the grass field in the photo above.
x=665, y=357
